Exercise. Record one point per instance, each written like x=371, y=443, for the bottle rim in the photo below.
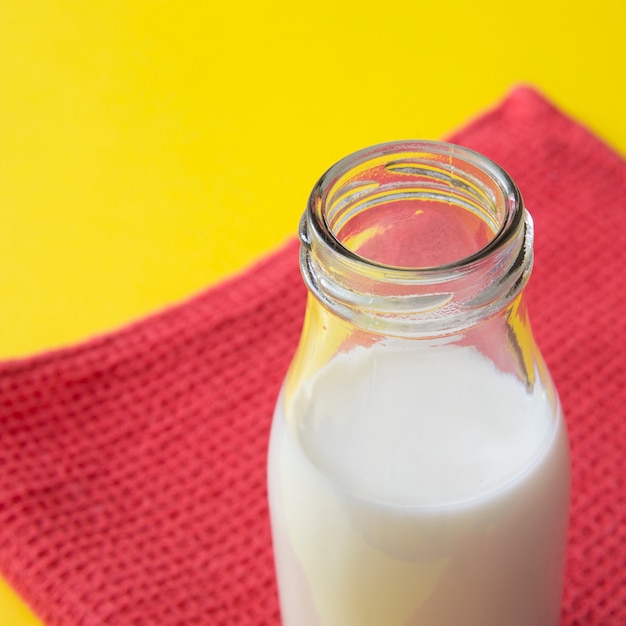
x=318, y=221
x=414, y=300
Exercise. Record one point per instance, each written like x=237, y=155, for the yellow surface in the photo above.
x=151, y=147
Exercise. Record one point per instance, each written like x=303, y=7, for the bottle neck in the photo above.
x=416, y=239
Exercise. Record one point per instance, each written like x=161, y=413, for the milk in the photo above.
x=418, y=488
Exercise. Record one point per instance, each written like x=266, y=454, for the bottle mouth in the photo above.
x=403, y=228
x=416, y=205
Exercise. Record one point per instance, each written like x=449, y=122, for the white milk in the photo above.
x=418, y=489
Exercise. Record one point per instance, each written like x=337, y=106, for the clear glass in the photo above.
x=418, y=468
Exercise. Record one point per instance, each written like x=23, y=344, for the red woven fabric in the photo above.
x=132, y=468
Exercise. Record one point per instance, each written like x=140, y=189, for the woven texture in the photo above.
x=132, y=467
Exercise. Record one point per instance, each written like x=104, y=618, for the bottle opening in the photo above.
x=415, y=237
x=415, y=205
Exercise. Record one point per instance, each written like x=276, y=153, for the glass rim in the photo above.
x=508, y=229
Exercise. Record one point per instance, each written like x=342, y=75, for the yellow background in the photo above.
x=149, y=148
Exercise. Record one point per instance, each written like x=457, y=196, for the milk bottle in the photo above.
x=418, y=468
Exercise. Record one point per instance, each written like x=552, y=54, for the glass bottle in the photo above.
x=418, y=466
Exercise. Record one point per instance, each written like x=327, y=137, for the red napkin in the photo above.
x=132, y=467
